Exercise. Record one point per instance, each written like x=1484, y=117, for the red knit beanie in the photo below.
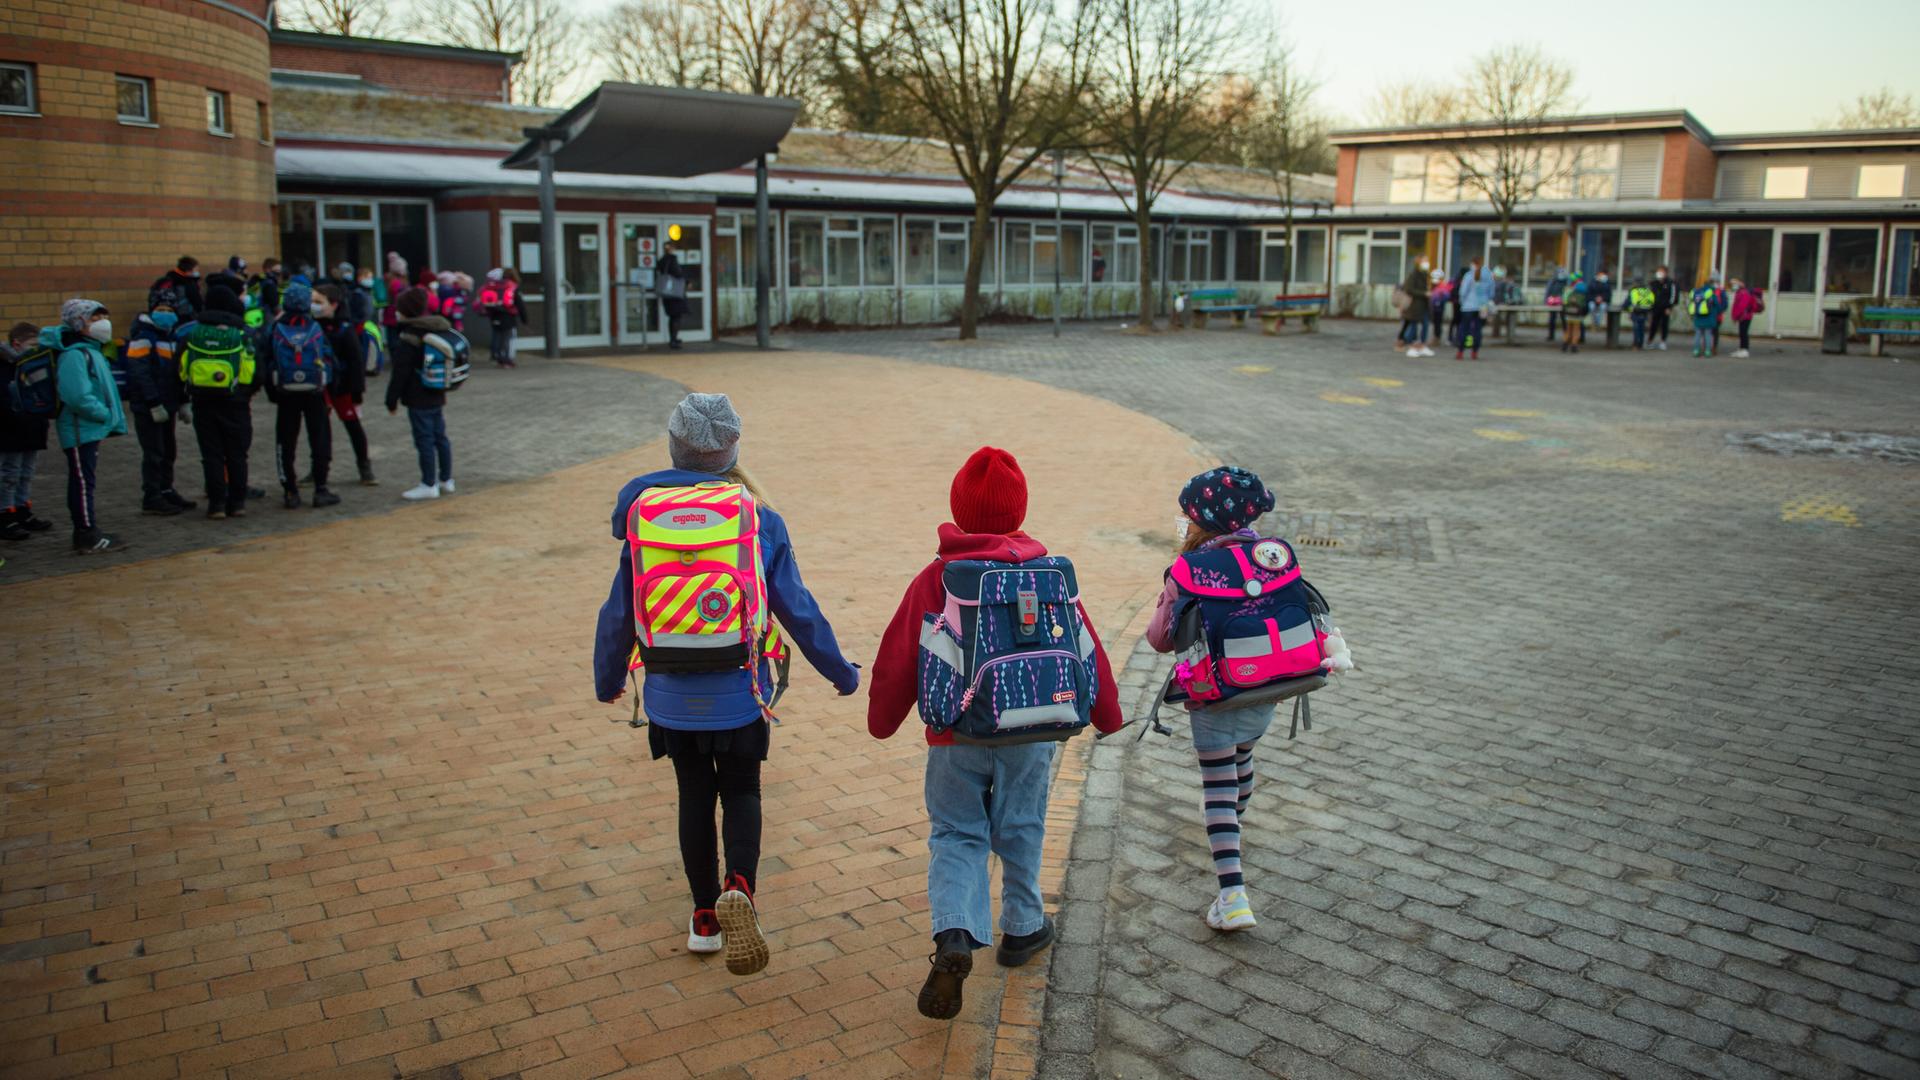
x=989, y=493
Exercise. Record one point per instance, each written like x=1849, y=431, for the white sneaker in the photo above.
x=422, y=491
x=1230, y=911
x=1426, y=351
x=1663, y=346
x=446, y=487
x=1740, y=354
x=698, y=942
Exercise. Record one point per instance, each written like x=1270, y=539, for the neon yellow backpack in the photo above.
x=699, y=588
x=216, y=358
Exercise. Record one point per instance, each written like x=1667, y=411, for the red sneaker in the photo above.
x=703, y=932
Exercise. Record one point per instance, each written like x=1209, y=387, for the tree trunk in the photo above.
x=976, y=260
x=1143, y=220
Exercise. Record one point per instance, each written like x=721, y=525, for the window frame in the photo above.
x=32, y=72
x=263, y=116
x=1417, y=167
x=145, y=118
x=1898, y=171
x=1785, y=171
x=944, y=229
x=226, y=113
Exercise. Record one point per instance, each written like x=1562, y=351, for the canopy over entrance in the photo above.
x=662, y=131
x=635, y=130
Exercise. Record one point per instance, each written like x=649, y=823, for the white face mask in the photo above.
x=1660, y=275
x=100, y=330
x=1180, y=526
x=321, y=311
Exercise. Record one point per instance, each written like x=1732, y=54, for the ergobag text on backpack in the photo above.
x=34, y=389
x=1008, y=659
x=443, y=358
x=302, y=359
x=699, y=581
x=1247, y=628
x=216, y=358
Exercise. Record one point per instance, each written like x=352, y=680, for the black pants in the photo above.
x=1744, y=325
x=1553, y=323
x=224, y=428
x=1657, y=326
x=734, y=780
x=159, y=447
x=81, y=461
x=676, y=310
x=295, y=409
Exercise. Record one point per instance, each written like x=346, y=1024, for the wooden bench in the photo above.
x=1308, y=306
x=1505, y=315
x=1204, y=302
x=1895, y=322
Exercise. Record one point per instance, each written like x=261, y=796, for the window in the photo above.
x=265, y=117
x=1906, y=263
x=16, y=89
x=1687, y=251
x=1546, y=253
x=1785, y=182
x=734, y=247
x=134, y=96
x=1881, y=182
x=1443, y=179
x=1409, y=179
x=1116, y=254
x=843, y=252
x=936, y=253
x=1273, y=263
x=1646, y=250
x=1246, y=255
x=806, y=252
x=1310, y=256
x=1850, y=260
x=1595, y=169
x=348, y=212
x=218, y=122
x=879, y=242
x=1750, y=256
x=1383, y=262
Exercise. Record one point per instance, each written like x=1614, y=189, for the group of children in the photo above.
x=1573, y=302
x=700, y=542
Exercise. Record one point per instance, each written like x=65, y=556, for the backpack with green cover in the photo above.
x=216, y=358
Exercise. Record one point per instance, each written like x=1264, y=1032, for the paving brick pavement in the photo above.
x=278, y=808
x=493, y=442
x=1627, y=782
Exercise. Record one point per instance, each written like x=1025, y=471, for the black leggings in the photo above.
x=309, y=409
x=734, y=780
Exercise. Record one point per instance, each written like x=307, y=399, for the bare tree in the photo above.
x=1164, y=100
x=1509, y=156
x=348, y=18
x=543, y=32
x=1286, y=135
x=765, y=47
x=660, y=42
x=1880, y=109
x=857, y=69
x=1411, y=104
x=1001, y=82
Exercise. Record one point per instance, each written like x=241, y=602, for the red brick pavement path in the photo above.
x=339, y=803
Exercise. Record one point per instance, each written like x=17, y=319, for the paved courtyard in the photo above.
x=1626, y=784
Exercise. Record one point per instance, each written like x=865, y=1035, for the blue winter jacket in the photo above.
x=153, y=368
x=89, y=402
x=721, y=700
x=1476, y=295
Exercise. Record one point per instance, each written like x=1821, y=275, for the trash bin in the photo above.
x=1833, y=330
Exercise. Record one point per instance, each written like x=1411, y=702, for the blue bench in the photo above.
x=1307, y=306
x=1204, y=302
x=1895, y=322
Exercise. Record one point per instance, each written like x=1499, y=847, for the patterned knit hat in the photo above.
x=76, y=313
x=1226, y=499
x=296, y=299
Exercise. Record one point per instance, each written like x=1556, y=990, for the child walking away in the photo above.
x=1249, y=633
x=332, y=308
x=1747, y=303
x=704, y=563
x=506, y=312
x=155, y=400
x=89, y=412
x=452, y=292
x=1706, y=305
x=1573, y=307
x=301, y=368
x=1640, y=307
x=23, y=435
x=429, y=360
x=991, y=602
x=220, y=373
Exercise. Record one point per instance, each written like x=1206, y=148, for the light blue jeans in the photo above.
x=982, y=799
x=16, y=478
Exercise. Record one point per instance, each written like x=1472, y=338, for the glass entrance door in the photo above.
x=1750, y=259
x=643, y=241
x=1795, y=296
x=582, y=278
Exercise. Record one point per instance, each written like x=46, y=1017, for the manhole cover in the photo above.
x=1854, y=445
x=1377, y=535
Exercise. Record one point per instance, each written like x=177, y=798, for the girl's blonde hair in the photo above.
x=739, y=475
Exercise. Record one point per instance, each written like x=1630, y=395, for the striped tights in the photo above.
x=1226, y=782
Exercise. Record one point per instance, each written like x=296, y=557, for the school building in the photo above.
x=325, y=149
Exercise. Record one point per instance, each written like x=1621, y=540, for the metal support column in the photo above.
x=762, y=258
x=550, y=268
x=1059, y=235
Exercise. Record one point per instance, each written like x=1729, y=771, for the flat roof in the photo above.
x=343, y=43
x=1626, y=121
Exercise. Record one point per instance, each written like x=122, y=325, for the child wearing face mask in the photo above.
x=90, y=411
x=155, y=400
x=1666, y=297
x=1599, y=299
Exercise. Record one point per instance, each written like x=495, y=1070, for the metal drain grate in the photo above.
x=1386, y=536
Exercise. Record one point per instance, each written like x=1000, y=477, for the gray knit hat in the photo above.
x=76, y=313
x=703, y=434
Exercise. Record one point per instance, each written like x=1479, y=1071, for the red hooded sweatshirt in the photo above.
x=893, y=691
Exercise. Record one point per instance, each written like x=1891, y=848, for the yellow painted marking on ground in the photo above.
x=1626, y=465
x=1384, y=384
x=1253, y=369
x=1499, y=434
x=1339, y=398
x=1819, y=508
x=1517, y=414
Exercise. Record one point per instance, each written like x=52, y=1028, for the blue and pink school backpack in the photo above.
x=1247, y=628
x=302, y=359
x=1008, y=660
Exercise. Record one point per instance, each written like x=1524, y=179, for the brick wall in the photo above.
x=1345, y=169
x=1687, y=168
x=99, y=208
x=447, y=77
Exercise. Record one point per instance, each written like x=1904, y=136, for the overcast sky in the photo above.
x=1751, y=65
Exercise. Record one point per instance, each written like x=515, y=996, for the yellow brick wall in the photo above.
x=98, y=208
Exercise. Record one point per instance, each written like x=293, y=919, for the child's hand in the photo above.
x=615, y=699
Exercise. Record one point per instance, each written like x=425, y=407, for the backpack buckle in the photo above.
x=1027, y=604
